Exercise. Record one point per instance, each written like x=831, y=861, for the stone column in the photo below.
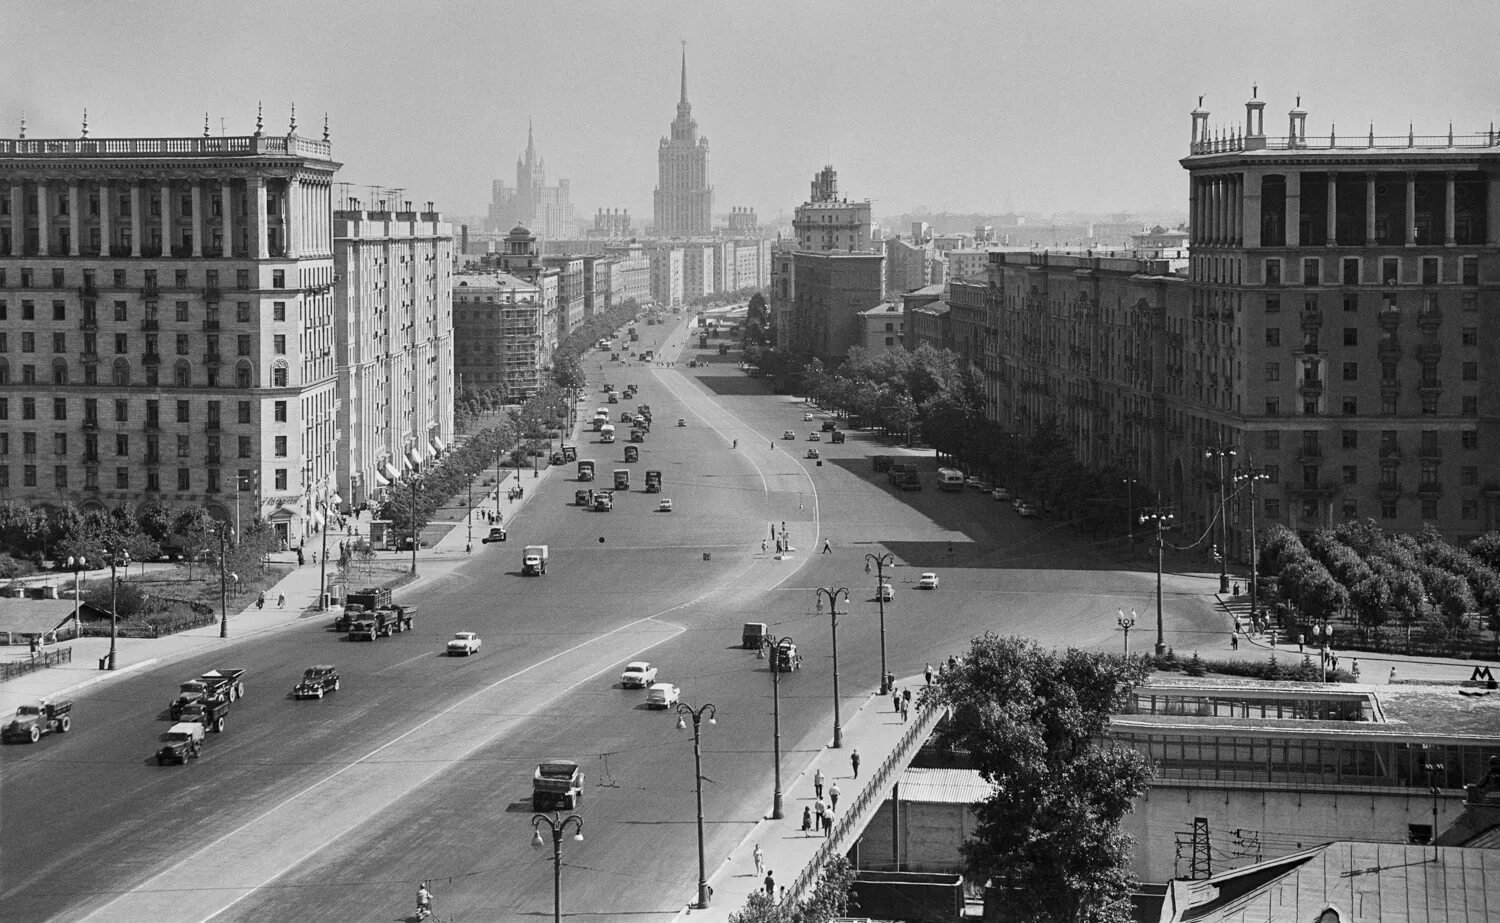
x=261, y=250
x=135, y=217
x=1369, y=209
x=17, y=218
x=1250, y=208
x=197, y=224
x=1195, y=212
x=74, y=244
x=291, y=216
x=1411, y=209
x=1450, y=229
x=226, y=216
x=104, y=236
x=43, y=220
x=166, y=217
x=1237, y=211
x=1333, y=209
x=1293, y=208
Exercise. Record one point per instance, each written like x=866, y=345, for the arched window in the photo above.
x=182, y=373
x=279, y=374
x=120, y=374
x=59, y=371
x=244, y=374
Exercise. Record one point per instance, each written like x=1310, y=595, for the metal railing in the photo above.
x=863, y=805
x=38, y=662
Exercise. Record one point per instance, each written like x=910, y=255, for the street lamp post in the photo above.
x=559, y=826
x=224, y=580
x=122, y=559
x=1432, y=768
x=1248, y=477
x=779, y=647
x=833, y=609
x=469, y=544
x=698, y=714
x=1130, y=511
x=1126, y=623
x=328, y=501
x=1160, y=517
x=499, y=478
x=1323, y=637
x=77, y=564
x=416, y=475
x=1221, y=453
x=881, y=561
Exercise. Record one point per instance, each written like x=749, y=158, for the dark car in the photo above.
x=317, y=681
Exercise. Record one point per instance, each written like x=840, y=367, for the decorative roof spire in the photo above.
x=530, y=143
x=292, y=127
x=23, y=124
x=205, y=123
x=260, y=123
x=85, y=123
x=325, y=128
x=684, y=72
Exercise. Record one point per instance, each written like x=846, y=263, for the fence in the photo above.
x=852, y=822
x=38, y=662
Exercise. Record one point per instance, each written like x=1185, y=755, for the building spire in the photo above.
x=530, y=143
x=684, y=72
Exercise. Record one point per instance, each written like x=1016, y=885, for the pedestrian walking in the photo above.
x=300, y=562
x=760, y=861
x=826, y=547
x=928, y=673
x=1234, y=641
x=281, y=600
x=833, y=795
x=1393, y=675
x=854, y=761
x=828, y=822
x=890, y=681
x=806, y=819
x=895, y=700
x=260, y=601
x=1355, y=669
x=952, y=662
x=905, y=706
x=778, y=546
x=770, y=884
x=762, y=546
x=782, y=898
x=819, y=808
x=906, y=696
x=818, y=783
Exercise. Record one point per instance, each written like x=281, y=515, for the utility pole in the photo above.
x=1221, y=453
x=1160, y=516
x=1248, y=476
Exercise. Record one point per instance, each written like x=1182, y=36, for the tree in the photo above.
x=831, y=897
x=1035, y=725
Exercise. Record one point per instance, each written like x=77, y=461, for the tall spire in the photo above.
x=530, y=144
x=684, y=73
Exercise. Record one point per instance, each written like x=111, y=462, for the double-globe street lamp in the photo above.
x=559, y=826
x=833, y=608
x=76, y=564
x=707, y=710
x=1247, y=477
x=781, y=650
x=881, y=562
x=117, y=558
x=1221, y=453
x=1126, y=622
x=1159, y=517
x=225, y=533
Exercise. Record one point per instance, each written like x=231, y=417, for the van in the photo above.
x=752, y=634
x=950, y=479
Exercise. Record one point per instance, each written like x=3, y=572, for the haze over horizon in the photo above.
x=956, y=106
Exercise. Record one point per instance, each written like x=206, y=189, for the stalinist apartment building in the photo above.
x=167, y=323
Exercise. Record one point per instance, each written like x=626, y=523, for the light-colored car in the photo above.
x=788, y=435
x=886, y=593
x=638, y=675
x=664, y=507
x=465, y=643
x=814, y=436
x=662, y=695
x=806, y=417
x=1017, y=503
x=812, y=453
x=1027, y=511
x=977, y=483
x=929, y=581
x=1000, y=493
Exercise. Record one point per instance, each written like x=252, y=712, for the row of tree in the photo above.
x=1420, y=582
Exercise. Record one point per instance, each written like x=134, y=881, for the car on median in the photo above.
x=977, y=483
x=929, y=581
x=317, y=681
x=662, y=695
x=1027, y=511
x=463, y=643
x=638, y=674
x=664, y=507
x=788, y=435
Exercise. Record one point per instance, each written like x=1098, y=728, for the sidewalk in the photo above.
x=301, y=587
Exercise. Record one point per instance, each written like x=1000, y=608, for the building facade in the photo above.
x=782, y=298
x=833, y=290
x=118, y=253
x=684, y=199
x=743, y=222
x=698, y=269
x=883, y=328
x=629, y=274
x=394, y=345
x=909, y=265
x=827, y=222
x=667, y=275
x=547, y=210
x=612, y=224
x=501, y=329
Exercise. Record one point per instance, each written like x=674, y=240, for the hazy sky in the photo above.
x=959, y=106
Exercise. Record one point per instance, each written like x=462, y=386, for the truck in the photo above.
x=607, y=433
x=585, y=470
x=557, y=783
x=836, y=436
x=184, y=741
x=569, y=452
x=653, y=481
x=604, y=502
x=637, y=434
x=213, y=714
x=534, y=560
x=36, y=719
x=622, y=479
x=896, y=472
x=703, y=341
x=950, y=479
x=382, y=623
x=584, y=497
x=215, y=684
x=881, y=463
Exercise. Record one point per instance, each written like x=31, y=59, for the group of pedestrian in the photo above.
x=901, y=702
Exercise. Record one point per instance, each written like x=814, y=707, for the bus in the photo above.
x=950, y=479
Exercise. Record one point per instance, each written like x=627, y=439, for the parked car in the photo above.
x=886, y=593
x=814, y=437
x=465, y=643
x=788, y=435
x=1000, y=493
x=638, y=675
x=929, y=581
x=664, y=507
x=806, y=417
x=1016, y=504
x=662, y=695
x=316, y=682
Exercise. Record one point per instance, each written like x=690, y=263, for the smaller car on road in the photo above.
x=1027, y=511
x=886, y=593
x=1000, y=493
x=463, y=642
x=1017, y=503
x=662, y=695
x=812, y=453
x=664, y=507
x=929, y=581
x=788, y=435
x=814, y=436
x=497, y=534
x=638, y=674
x=682, y=421
x=317, y=681
x=977, y=483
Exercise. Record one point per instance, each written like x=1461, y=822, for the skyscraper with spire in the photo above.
x=546, y=210
x=684, y=199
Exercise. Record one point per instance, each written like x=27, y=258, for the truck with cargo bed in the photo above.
x=37, y=719
x=534, y=560
x=585, y=469
x=215, y=684
x=557, y=783
x=382, y=623
x=653, y=481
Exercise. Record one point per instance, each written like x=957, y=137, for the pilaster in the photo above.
x=135, y=217
x=1293, y=208
x=1369, y=209
x=293, y=218
x=226, y=217
x=1333, y=209
x=166, y=218
x=1411, y=209
x=43, y=220
x=195, y=189
x=17, y=218
x=1450, y=231
x=258, y=205
x=75, y=244
x=1250, y=209
x=105, y=191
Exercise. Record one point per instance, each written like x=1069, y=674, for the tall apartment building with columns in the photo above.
x=1344, y=324
x=168, y=323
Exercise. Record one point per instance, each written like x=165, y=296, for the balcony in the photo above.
x=1429, y=451
x=152, y=358
x=212, y=426
x=211, y=324
x=1390, y=347
x=1390, y=451
x=91, y=458
x=88, y=291
x=150, y=324
x=151, y=291
x=153, y=425
x=1310, y=387
x=90, y=356
x=1309, y=454
x=1429, y=489
x=1389, y=490
x=1430, y=318
x=213, y=358
x=212, y=459
x=88, y=323
x=1429, y=352
x=1430, y=384
x=1312, y=320
x=212, y=293
x=91, y=425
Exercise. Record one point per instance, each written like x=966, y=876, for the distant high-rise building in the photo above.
x=826, y=222
x=612, y=223
x=743, y=222
x=546, y=210
x=684, y=200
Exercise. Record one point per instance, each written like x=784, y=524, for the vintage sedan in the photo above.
x=638, y=675
x=929, y=581
x=463, y=643
x=317, y=681
x=662, y=695
x=788, y=435
x=886, y=593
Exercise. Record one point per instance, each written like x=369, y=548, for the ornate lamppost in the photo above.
x=1126, y=623
x=1221, y=453
x=881, y=562
x=77, y=564
x=1160, y=517
x=224, y=533
x=698, y=714
x=116, y=559
x=558, y=826
x=833, y=608
x=781, y=648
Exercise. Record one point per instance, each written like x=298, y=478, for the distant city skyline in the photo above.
x=959, y=107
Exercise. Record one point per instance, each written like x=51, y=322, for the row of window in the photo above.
x=1390, y=441
x=122, y=446
x=150, y=278
x=243, y=343
x=123, y=205
x=1349, y=405
x=242, y=311
x=1351, y=271
x=1388, y=302
x=1469, y=371
x=1388, y=508
x=120, y=374
x=153, y=481
x=122, y=409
